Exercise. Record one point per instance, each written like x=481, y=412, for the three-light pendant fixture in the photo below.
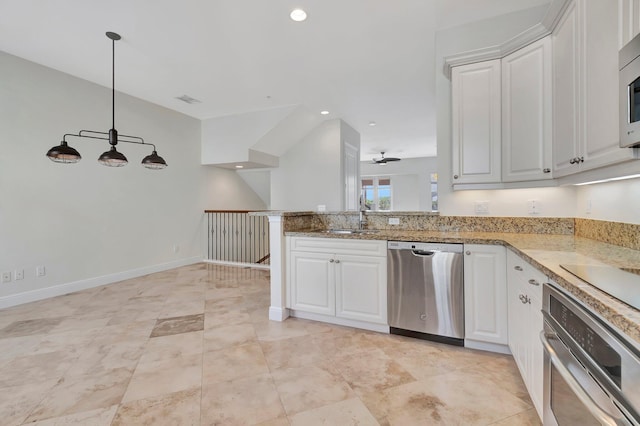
x=63, y=153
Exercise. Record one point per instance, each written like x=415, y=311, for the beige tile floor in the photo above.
x=193, y=346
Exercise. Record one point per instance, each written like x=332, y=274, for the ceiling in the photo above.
x=362, y=60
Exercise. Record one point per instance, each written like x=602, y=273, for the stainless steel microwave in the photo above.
x=629, y=61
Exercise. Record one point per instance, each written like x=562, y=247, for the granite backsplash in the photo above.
x=616, y=233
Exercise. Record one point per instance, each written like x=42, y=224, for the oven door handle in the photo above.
x=594, y=408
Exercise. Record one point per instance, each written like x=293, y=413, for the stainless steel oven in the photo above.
x=591, y=374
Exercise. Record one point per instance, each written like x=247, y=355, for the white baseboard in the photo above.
x=489, y=347
x=278, y=314
x=381, y=328
x=59, y=290
x=250, y=265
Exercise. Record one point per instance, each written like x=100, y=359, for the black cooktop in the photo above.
x=616, y=282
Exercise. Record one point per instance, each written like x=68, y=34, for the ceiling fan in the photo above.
x=384, y=160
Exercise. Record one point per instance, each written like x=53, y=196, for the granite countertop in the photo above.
x=546, y=252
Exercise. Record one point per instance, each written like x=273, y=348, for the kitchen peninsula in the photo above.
x=545, y=243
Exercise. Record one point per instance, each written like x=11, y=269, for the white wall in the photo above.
x=310, y=172
x=228, y=139
x=553, y=201
x=410, y=179
x=613, y=201
x=86, y=223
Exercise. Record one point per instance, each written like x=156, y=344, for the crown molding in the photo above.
x=528, y=36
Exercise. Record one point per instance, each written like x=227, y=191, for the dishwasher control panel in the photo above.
x=408, y=245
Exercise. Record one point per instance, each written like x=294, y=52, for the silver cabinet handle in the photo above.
x=517, y=268
x=337, y=261
x=331, y=260
x=455, y=176
x=573, y=160
x=581, y=159
x=546, y=170
x=533, y=282
x=467, y=252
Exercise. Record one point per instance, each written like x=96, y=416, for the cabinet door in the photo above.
x=311, y=282
x=516, y=309
x=629, y=19
x=599, y=86
x=361, y=288
x=536, y=355
x=526, y=113
x=485, y=293
x=518, y=329
x=475, y=99
x=565, y=93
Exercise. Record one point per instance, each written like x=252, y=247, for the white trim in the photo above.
x=484, y=346
x=381, y=328
x=226, y=262
x=278, y=314
x=66, y=288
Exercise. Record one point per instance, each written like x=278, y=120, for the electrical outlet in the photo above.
x=176, y=248
x=534, y=206
x=40, y=271
x=587, y=208
x=18, y=274
x=6, y=277
x=481, y=207
x=394, y=221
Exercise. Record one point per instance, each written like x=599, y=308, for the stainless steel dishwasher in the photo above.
x=425, y=291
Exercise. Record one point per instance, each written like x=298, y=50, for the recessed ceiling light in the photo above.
x=238, y=166
x=298, y=15
x=324, y=112
x=372, y=123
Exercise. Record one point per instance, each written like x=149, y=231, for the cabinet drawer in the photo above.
x=521, y=271
x=338, y=246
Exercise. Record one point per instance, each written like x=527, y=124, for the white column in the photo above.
x=277, y=310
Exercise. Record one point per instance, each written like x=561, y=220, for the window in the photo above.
x=434, y=191
x=377, y=193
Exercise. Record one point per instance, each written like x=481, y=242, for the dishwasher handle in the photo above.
x=424, y=253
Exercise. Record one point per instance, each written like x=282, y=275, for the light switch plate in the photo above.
x=481, y=207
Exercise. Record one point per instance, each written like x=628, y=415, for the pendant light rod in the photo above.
x=66, y=154
x=113, y=37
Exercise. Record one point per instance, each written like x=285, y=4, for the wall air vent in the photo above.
x=188, y=99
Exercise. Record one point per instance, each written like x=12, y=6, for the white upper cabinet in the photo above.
x=527, y=113
x=476, y=122
x=628, y=21
x=565, y=92
x=585, y=81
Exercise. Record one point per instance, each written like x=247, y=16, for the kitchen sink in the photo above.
x=351, y=231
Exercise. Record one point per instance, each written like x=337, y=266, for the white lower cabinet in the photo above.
x=345, y=279
x=525, y=323
x=312, y=281
x=485, y=297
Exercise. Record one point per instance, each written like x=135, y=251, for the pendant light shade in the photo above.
x=113, y=158
x=63, y=153
x=154, y=161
